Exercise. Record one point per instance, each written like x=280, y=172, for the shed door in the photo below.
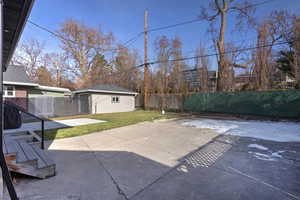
x=83, y=104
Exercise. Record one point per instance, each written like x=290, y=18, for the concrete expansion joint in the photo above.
x=120, y=191
x=263, y=182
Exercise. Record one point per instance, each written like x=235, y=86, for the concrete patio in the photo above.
x=54, y=124
x=165, y=160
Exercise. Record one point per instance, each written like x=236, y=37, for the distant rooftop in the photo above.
x=17, y=74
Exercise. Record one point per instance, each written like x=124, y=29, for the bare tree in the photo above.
x=162, y=45
x=278, y=26
x=58, y=66
x=67, y=83
x=220, y=9
x=82, y=45
x=127, y=75
x=202, y=65
x=262, y=69
x=234, y=58
x=100, y=72
x=177, y=83
x=30, y=54
x=296, y=46
x=44, y=76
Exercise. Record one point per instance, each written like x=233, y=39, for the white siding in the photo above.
x=102, y=103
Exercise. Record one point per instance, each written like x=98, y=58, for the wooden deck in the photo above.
x=23, y=155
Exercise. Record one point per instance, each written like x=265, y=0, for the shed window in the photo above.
x=9, y=91
x=115, y=99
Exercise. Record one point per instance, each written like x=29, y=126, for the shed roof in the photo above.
x=106, y=88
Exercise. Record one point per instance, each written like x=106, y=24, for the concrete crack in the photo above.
x=120, y=191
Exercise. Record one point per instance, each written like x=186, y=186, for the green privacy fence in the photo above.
x=263, y=103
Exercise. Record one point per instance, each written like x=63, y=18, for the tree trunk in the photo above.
x=297, y=51
x=222, y=82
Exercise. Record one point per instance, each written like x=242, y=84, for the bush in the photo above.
x=297, y=86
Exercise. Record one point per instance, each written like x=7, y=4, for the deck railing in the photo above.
x=42, y=120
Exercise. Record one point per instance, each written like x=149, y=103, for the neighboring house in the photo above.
x=278, y=78
x=192, y=78
x=18, y=87
x=289, y=82
x=42, y=91
x=283, y=80
x=106, y=99
x=242, y=80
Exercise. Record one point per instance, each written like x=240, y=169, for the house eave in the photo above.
x=20, y=83
x=13, y=26
x=54, y=89
x=37, y=86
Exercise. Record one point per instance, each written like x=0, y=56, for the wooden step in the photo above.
x=29, y=136
x=10, y=143
x=25, y=137
x=29, y=153
x=27, y=158
x=15, y=133
x=43, y=155
x=4, y=147
x=21, y=158
x=45, y=166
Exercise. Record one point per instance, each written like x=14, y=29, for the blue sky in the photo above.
x=125, y=19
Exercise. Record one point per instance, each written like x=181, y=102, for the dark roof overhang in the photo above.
x=15, y=14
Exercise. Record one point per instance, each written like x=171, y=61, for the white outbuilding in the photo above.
x=107, y=99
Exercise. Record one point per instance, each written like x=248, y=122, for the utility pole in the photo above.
x=58, y=79
x=146, y=69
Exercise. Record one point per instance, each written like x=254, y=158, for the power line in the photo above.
x=200, y=56
x=174, y=25
x=193, y=57
x=125, y=45
x=198, y=19
x=216, y=54
x=135, y=38
x=51, y=32
x=261, y=3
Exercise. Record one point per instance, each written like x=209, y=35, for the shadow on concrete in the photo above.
x=234, y=175
x=202, y=174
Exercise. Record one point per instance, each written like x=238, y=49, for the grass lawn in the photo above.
x=114, y=120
